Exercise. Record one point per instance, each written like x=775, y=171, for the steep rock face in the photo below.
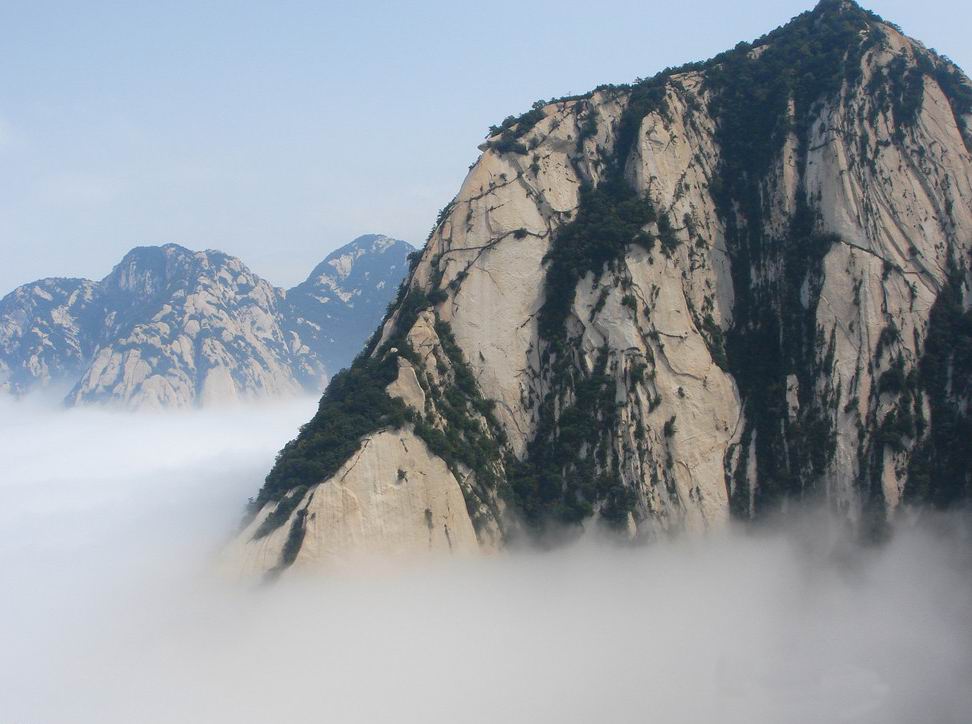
x=170, y=327
x=392, y=498
x=720, y=291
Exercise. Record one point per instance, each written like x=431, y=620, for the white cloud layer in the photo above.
x=110, y=613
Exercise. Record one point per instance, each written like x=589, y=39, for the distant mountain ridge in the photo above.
x=354, y=284
x=171, y=327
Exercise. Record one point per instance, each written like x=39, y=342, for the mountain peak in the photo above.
x=839, y=6
x=354, y=284
x=375, y=242
x=845, y=8
x=712, y=293
x=340, y=264
x=170, y=326
x=151, y=252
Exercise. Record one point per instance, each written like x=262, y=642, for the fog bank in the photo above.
x=110, y=611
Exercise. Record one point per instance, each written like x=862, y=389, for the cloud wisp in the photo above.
x=111, y=613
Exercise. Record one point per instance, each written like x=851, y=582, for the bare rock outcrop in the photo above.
x=718, y=292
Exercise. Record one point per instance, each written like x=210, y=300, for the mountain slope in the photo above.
x=721, y=291
x=185, y=327
x=47, y=332
x=354, y=284
x=172, y=328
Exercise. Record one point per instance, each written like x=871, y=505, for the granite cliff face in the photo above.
x=722, y=291
x=171, y=327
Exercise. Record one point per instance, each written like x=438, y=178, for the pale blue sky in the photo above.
x=278, y=131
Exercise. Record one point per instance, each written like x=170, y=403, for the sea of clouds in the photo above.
x=110, y=610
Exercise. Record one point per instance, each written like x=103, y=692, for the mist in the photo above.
x=111, y=611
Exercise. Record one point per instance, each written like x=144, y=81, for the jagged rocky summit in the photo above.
x=723, y=291
x=169, y=327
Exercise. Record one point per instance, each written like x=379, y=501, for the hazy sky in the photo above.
x=279, y=131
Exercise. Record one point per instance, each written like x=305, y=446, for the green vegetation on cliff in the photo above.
x=571, y=467
x=356, y=404
x=940, y=472
x=758, y=95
